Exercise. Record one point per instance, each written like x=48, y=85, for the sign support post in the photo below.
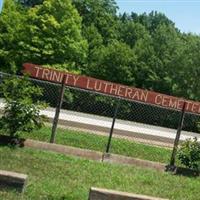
x=58, y=107
x=178, y=134
x=112, y=127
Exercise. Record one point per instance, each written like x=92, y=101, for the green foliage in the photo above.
x=131, y=32
x=90, y=37
x=116, y=62
x=188, y=68
x=101, y=14
x=189, y=154
x=11, y=23
x=55, y=31
x=22, y=108
x=168, y=48
x=49, y=33
x=152, y=20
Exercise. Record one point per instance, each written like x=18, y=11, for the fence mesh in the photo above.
x=84, y=109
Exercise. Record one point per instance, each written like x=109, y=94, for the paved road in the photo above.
x=122, y=128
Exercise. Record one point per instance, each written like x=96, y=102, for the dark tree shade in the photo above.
x=30, y=3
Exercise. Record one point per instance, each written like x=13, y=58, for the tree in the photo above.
x=49, y=33
x=168, y=50
x=21, y=106
x=152, y=20
x=131, y=32
x=55, y=31
x=140, y=41
x=116, y=62
x=188, y=68
x=11, y=23
x=101, y=14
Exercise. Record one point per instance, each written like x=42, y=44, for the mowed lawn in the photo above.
x=54, y=176
x=95, y=142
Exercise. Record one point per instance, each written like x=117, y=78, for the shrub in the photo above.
x=189, y=154
x=22, y=108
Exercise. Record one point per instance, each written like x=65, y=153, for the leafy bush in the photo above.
x=189, y=154
x=22, y=109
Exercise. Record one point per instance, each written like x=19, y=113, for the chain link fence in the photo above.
x=95, y=104
x=90, y=110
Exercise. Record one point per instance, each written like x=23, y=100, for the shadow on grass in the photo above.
x=51, y=197
x=8, y=186
x=11, y=142
x=182, y=171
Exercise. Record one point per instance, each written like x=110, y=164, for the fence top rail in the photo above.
x=126, y=92
x=96, y=93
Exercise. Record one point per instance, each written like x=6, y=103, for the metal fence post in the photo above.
x=178, y=134
x=112, y=127
x=58, y=107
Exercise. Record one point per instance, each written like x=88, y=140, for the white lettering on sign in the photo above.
x=111, y=88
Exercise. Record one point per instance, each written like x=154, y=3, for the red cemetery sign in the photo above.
x=110, y=88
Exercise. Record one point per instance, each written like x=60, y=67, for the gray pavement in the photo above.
x=122, y=128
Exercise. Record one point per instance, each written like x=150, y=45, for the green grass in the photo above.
x=54, y=176
x=98, y=143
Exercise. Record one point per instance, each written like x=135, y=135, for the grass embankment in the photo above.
x=54, y=176
x=98, y=143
